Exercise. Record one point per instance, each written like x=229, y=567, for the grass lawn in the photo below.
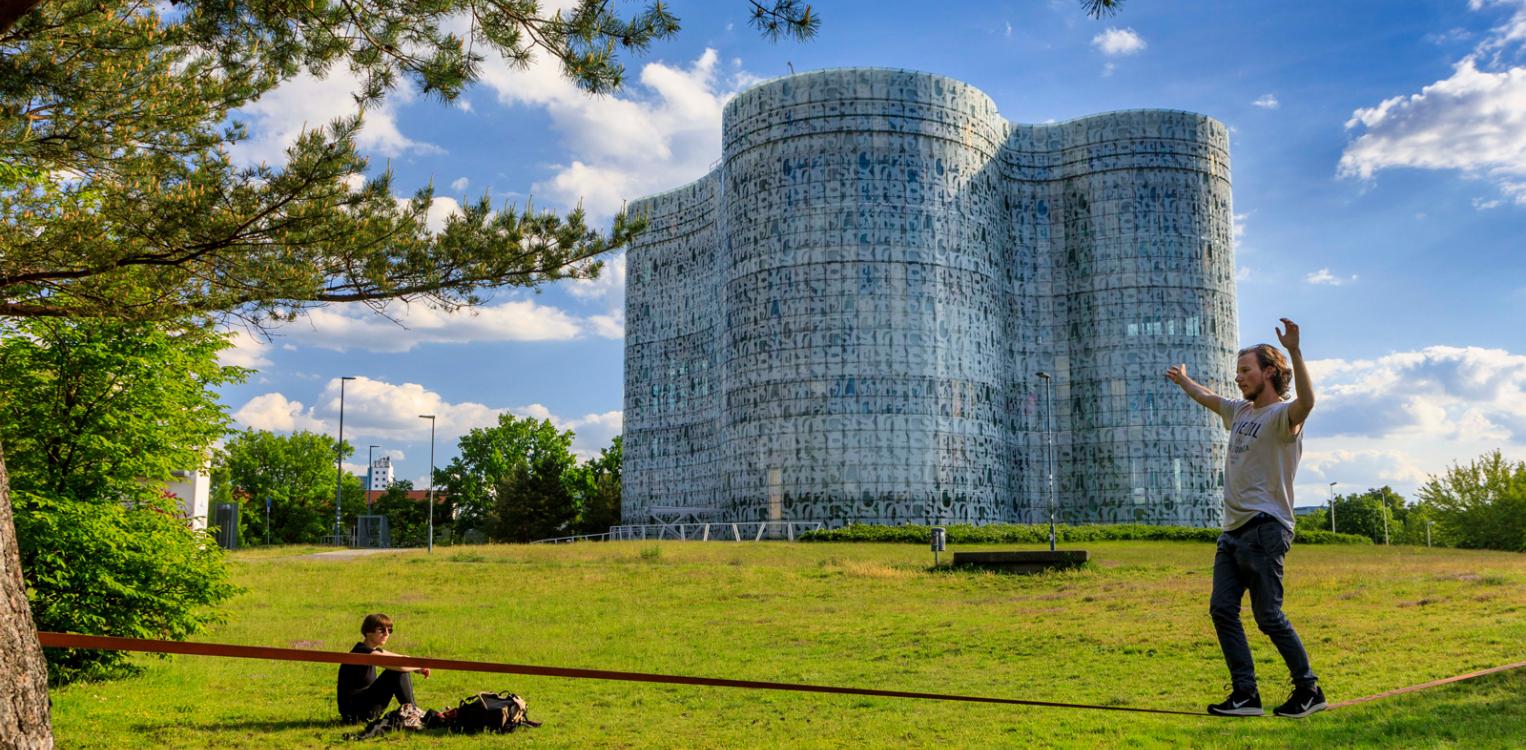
x=1132, y=629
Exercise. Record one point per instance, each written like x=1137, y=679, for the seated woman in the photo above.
x=362, y=695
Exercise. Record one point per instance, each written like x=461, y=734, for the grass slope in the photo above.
x=1132, y=629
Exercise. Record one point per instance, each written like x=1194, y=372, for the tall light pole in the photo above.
x=1332, y=507
x=430, y=417
x=370, y=473
x=339, y=464
x=1049, y=454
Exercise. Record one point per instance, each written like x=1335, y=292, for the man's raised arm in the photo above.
x=1199, y=392
x=1299, y=410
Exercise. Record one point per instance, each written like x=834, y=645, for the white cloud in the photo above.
x=1485, y=205
x=1398, y=418
x=248, y=350
x=659, y=132
x=307, y=103
x=459, y=184
x=375, y=408
x=593, y=432
x=1440, y=392
x=356, y=327
x=1473, y=121
x=1267, y=101
x=274, y=412
x=378, y=410
x=611, y=326
x=1116, y=41
x=1243, y=273
x=1009, y=30
x=610, y=283
x=1323, y=276
x=440, y=209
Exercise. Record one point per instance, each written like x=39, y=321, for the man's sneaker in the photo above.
x=1239, y=703
x=1303, y=701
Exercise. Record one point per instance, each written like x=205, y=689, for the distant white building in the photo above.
x=381, y=474
x=192, y=488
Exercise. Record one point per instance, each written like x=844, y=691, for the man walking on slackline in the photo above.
x=1265, y=442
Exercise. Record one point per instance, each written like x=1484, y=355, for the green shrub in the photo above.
x=135, y=571
x=1002, y=533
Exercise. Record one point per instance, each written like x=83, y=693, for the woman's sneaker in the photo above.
x=1239, y=703
x=1303, y=701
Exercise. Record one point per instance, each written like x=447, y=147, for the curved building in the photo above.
x=844, y=321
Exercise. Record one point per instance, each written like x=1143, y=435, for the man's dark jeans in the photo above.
x=371, y=702
x=1250, y=558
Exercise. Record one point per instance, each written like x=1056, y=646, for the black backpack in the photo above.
x=485, y=712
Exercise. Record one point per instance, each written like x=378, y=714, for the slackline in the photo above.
x=72, y=640
x=110, y=643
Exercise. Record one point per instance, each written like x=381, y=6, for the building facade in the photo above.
x=845, y=320
x=380, y=477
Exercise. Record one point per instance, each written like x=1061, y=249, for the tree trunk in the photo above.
x=24, y=722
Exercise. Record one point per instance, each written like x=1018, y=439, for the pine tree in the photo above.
x=118, y=198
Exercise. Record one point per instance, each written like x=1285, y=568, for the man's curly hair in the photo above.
x=1270, y=356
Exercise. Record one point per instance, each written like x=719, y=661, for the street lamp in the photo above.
x=370, y=473
x=1332, y=507
x=1049, y=454
x=339, y=464
x=430, y=417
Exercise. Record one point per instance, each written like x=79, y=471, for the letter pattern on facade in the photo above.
x=842, y=322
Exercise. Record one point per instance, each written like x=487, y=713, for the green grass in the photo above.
x=1130, y=629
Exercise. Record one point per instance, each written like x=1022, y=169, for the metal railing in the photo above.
x=750, y=531
x=575, y=538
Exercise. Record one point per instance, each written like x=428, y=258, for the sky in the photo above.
x=1378, y=152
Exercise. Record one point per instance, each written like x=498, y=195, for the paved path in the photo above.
x=351, y=554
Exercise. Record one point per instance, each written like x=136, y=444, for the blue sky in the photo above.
x=1379, y=169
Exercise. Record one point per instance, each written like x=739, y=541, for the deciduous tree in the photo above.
x=1481, y=504
x=98, y=415
x=118, y=197
x=595, y=488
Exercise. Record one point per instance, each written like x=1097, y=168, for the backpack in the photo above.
x=485, y=712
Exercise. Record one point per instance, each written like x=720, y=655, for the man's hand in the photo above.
x=424, y=671
x=1178, y=375
x=1302, y=405
x=1288, y=337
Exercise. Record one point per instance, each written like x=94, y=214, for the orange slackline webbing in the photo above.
x=1431, y=684
x=71, y=640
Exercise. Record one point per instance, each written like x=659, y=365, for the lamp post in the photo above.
x=370, y=473
x=339, y=465
x=430, y=417
x=1049, y=454
x=1332, y=507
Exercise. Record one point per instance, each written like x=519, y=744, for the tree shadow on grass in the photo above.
x=1485, y=712
x=251, y=725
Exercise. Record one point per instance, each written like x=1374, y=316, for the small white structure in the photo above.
x=381, y=474
x=193, y=488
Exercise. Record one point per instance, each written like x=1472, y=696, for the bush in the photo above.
x=1480, y=505
x=1002, y=533
x=133, y=571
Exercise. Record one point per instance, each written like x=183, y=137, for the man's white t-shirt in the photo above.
x=1262, y=459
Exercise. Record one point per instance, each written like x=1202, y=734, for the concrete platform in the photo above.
x=1022, y=562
